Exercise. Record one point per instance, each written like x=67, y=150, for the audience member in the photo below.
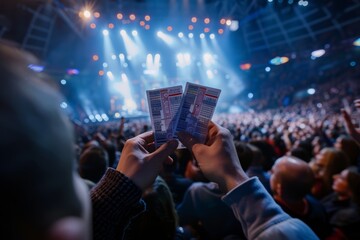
x=93, y=163
x=177, y=183
x=343, y=205
x=291, y=182
x=326, y=164
x=252, y=205
x=160, y=219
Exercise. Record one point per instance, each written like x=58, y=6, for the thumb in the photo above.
x=165, y=150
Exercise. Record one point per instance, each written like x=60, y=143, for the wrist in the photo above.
x=235, y=180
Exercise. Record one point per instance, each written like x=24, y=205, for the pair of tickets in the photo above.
x=172, y=110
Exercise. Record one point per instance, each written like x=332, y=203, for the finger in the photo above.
x=150, y=147
x=163, y=152
x=147, y=136
x=187, y=139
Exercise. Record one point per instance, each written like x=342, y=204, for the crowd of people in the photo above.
x=283, y=173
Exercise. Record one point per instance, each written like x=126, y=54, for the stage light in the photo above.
x=147, y=26
x=318, y=53
x=357, y=42
x=130, y=105
x=122, y=32
x=207, y=20
x=222, y=21
x=36, y=68
x=208, y=59
x=96, y=14
x=245, y=66
x=311, y=91
x=169, y=28
x=119, y=16
x=190, y=27
x=63, y=105
x=194, y=19
x=101, y=73
x=190, y=35
x=111, y=26
x=87, y=14
x=279, y=60
x=105, y=32
x=98, y=117
x=72, y=71
x=105, y=117
x=250, y=95
x=113, y=57
x=165, y=37
x=63, y=81
x=202, y=35
x=117, y=115
x=267, y=69
x=234, y=25
x=212, y=36
x=122, y=57
x=142, y=23
x=228, y=22
x=206, y=29
x=134, y=33
x=132, y=17
x=110, y=75
x=209, y=74
x=220, y=31
x=180, y=35
x=93, y=25
x=147, y=18
x=95, y=57
x=352, y=63
x=105, y=65
x=183, y=60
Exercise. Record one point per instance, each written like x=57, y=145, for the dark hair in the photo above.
x=267, y=151
x=301, y=153
x=353, y=179
x=93, y=163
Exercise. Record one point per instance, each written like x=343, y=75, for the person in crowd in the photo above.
x=176, y=181
x=252, y=205
x=291, y=182
x=202, y=207
x=256, y=167
x=160, y=219
x=350, y=147
x=343, y=205
x=326, y=164
x=93, y=163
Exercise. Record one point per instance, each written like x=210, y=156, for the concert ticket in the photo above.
x=196, y=110
x=163, y=107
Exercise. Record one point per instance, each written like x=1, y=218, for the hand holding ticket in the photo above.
x=192, y=114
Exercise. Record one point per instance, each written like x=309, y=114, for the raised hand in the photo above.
x=217, y=158
x=141, y=162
